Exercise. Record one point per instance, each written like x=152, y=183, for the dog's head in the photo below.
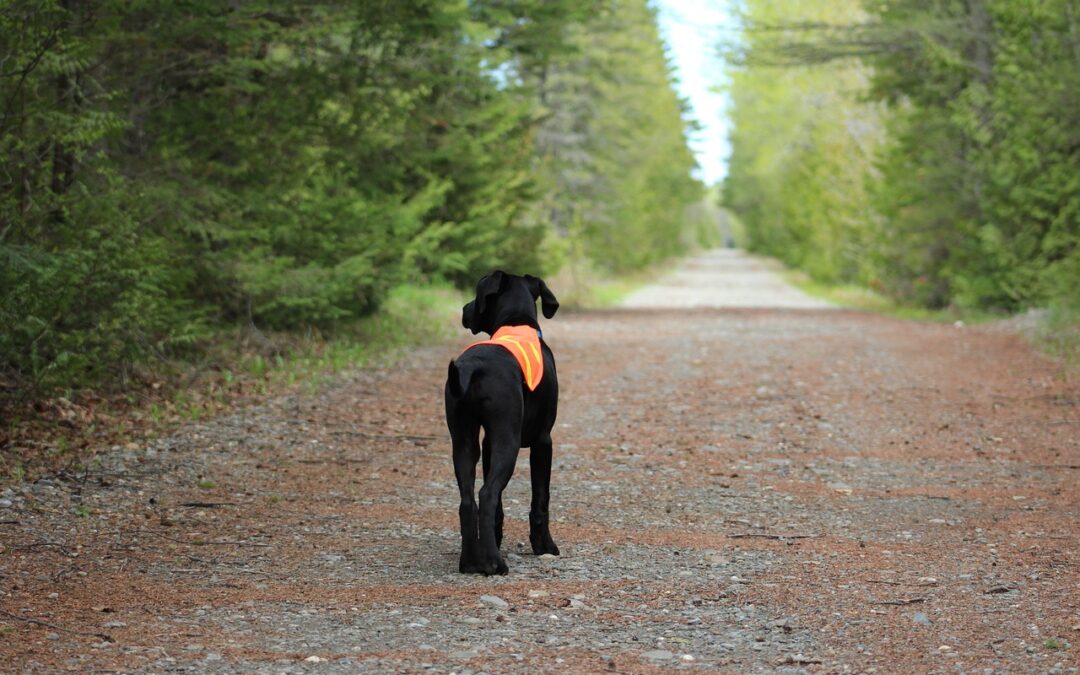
x=507, y=300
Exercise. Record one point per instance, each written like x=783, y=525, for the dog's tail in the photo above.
x=457, y=380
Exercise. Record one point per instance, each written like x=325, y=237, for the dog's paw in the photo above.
x=494, y=566
x=550, y=549
x=543, y=544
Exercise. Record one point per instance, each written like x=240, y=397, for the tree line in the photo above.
x=171, y=169
x=929, y=149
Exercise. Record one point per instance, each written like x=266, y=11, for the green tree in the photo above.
x=614, y=163
x=804, y=143
x=975, y=187
x=166, y=168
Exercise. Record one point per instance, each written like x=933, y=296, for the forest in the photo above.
x=927, y=149
x=172, y=170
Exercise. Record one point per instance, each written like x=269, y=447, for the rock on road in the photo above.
x=739, y=486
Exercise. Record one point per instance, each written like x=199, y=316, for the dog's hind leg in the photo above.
x=504, y=451
x=485, y=450
x=540, y=470
x=466, y=454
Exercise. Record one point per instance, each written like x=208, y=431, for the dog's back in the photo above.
x=485, y=384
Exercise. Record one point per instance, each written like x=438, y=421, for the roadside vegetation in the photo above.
x=61, y=433
x=927, y=152
x=1058, y=333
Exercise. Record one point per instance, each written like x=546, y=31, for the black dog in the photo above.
x=486, y=388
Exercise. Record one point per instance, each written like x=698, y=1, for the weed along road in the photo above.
x=742, y=482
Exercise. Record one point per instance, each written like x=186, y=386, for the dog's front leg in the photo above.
x=504, y=452
x=540, y=470
x=466, y=453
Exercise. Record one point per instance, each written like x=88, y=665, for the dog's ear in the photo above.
x=488, y=286
x=548, y=304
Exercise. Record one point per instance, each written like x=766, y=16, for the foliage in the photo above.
x=803, y=147
x=972, y=196
x=1057, y=331
x=168, y=170
x=232, y=367
x=614, y=163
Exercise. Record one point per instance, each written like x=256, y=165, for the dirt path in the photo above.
x=723, y=279
x=734, y=490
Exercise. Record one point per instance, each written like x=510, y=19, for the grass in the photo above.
x=411, y=315
x=860, y=297
x=580, y=285
x=1058, y=334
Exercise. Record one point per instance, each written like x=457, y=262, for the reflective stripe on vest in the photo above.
x=524, y=343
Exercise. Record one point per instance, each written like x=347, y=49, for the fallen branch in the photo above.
x=904, y=601
x=21, y=547
x=206, y=505
x=39, y=622
x=200, y=542
x=763, y=535
x=385, y=437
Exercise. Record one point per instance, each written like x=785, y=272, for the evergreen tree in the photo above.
x=615, y=163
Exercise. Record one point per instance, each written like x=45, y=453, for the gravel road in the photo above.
x=736, y=489
x=723, y=279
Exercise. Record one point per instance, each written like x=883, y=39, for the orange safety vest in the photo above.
x=524, y=343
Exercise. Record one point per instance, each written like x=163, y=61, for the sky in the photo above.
x=692, y=29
